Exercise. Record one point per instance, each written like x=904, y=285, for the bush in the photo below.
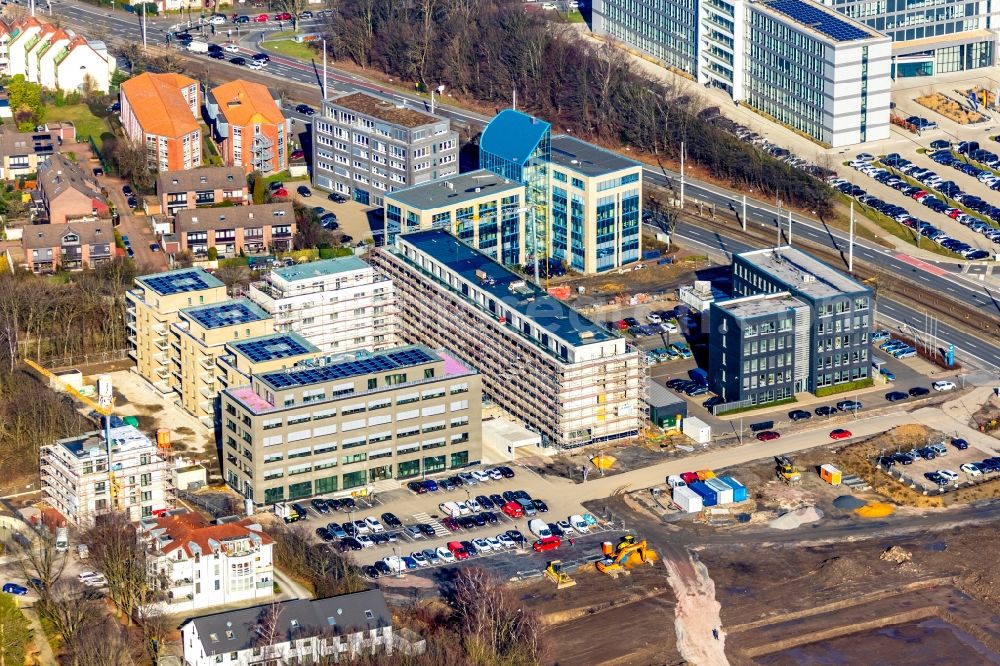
x=213, y=253
x=841, y=388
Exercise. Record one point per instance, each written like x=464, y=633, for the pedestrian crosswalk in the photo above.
x=438, y=528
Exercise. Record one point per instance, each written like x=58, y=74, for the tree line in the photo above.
x=487, y=49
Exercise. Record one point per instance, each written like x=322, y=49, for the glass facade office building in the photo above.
x=665, y=29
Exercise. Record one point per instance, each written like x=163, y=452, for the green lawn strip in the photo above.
x=283, y=44
x=86, y=123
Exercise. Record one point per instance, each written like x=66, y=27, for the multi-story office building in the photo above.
x=76, y=479
x=236, y=229
x=153, y=307
x=838, y=316
x=816, y=71
x=481, y=208
x=803, y=64
x=198, y=339
x=197, y=564
x=339, y=305
x=365, y=146
x=350, y=421
x=759, y=348
x=561, y=374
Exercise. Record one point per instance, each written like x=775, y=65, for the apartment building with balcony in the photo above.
x=196, y=564
x=546, y=364
x=152, y=307
x=301, y=631
x=481, y=208
x=22, y=152
x=248, y=124
x=197, y=188
x=366, y=146
x=73, y=246
x=79, y=480
x=198, y=339
x=235, y=229
x=338, y=423
x=161, y=112
x=339, y=305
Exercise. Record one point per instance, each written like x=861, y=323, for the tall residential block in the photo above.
x=161, y=112
x=152, y=307
x=252, y=131
x=366, y=146
x=80, y=481
x=561, y=374
x=351, y=421
x=339, y=305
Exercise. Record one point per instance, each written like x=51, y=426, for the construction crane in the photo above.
x=555, y=573
x=787, y=471
x=627, y=555
x=104, y=406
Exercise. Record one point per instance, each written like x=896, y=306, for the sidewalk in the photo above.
x=43, y=651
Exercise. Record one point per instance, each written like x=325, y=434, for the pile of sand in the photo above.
x=896, y=555
x=848, y=503
x=796, y=518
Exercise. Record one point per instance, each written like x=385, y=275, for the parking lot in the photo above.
x=944, y=459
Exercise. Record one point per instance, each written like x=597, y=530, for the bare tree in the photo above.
x=103, y=642
x=117, y=553
x=130, y=156
x=495, y=626
x=156, y=625
x=39, y=559
x=70, y=607
x=268, y=629
x=233, y=274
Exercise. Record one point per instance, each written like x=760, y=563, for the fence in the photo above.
x=68, y=362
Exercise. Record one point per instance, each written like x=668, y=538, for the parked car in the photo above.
x=799, y=415
x=303, y=191
x=767, y=435
x=893, y=396
x=960, y=443
x=917, y=391
x=943, y=385
x=826, y=410
x=14, y=588
x=546, y=544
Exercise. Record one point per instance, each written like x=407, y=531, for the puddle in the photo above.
x=937, y=546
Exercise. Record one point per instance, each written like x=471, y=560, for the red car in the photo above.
x=840, y=433
x=457, y=550
x=513, y=509
x=451, y=524
x=547, y=543
x=767, y=436
x=261, y=18
x=283, y=16
x=280, y=192
x=297, y=154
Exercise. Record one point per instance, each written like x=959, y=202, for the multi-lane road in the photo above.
x=939, y=277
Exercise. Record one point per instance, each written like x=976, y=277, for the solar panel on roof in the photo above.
x=271, y=349
x=176, y=284
x=819, y=20
x=229, y=314
x=410, y=357
x=374, y=364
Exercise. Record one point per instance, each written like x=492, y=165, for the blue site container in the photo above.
x=739, y=490
x=708, y=496
x=650, y=254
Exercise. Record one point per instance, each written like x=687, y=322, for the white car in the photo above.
x=450, y=508
x=255, y=65
x=971, y=469
x=948, y=474
x=506, y=541
x=445, y=555
x=579, y=524
x=481, y=476
x=494, y=543
x=231, y=48
x=374, y=525
x=88, y=575
x=473, y=505
x=669, y=326
x=482, y=545
x=548, y=5
x=865, y=157
x=217, y=20
x=95, y=582
x=395, y=563
x=494, y=473
x=654, y=317
x=365, y=540
x=463, y=509
x=420, y=558
x=943, y=386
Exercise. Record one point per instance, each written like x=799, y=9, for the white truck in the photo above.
x=62, y=539
x=198, y=47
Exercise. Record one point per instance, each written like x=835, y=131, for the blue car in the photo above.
x=14, y=588
x=431, y=485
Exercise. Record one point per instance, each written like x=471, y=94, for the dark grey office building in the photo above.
x=759, y=348
x=839, y=321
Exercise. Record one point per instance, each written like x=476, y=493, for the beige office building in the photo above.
x=483, y=209
x=341, y=423
x=152, y=307
x=244, y=358
x=198, y=339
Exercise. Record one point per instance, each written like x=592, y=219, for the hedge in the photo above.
x=841, y=388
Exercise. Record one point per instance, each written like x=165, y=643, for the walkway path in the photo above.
x=43, y=651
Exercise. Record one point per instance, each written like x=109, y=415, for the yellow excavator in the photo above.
x=787, y=471
x=628, y=554
x=555, y=573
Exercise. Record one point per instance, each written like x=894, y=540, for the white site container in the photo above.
x=688, y=500
x=723, y=490
x=697, y=430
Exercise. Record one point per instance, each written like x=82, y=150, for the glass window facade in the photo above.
x=666, y=29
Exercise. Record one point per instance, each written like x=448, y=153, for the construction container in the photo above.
x=608, y=548
x=690, y=477
x=723, y=491
x=131, y=420
x=697, y=430
x=688, y=500
x=830, y=474
x=705, y=474
x=708, y=496
x=163, y=438
x=739, y=490
x=674, y=481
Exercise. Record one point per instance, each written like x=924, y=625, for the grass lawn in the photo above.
x=209, y=154
x=282, y=43
x=87, y=124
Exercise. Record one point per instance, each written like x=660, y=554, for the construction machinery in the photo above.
x=628, y=554
x=103, y=406
x=555, y=573
x=787, y=471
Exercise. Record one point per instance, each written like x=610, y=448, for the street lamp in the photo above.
x=439, y=90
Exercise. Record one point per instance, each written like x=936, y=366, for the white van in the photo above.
x=539, y=528
x=674, y=481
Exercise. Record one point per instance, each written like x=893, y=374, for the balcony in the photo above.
x=162, y=372
x=160, y=357
x=161, y=329
x=207, y=362
x=162, y=386
x=208, y=378
x=207, y=393
x=133, y=354
x=161, y=344
x=130, y=323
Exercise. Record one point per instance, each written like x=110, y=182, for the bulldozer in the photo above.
x=787, y=471
x=555, y=573
x=628, y=554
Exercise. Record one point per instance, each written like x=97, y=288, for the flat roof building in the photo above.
x=545, y=363
x=338, y=423
x=366, y=146
x=79, y=480
x=339, y=305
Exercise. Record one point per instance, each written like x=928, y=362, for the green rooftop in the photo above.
x=323, y=268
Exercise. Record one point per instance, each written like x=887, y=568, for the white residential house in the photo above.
x=340, y=305
x=54, y=57
x=301, y=631
x=198, y=564
x=20, y=32
x=84, y=65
